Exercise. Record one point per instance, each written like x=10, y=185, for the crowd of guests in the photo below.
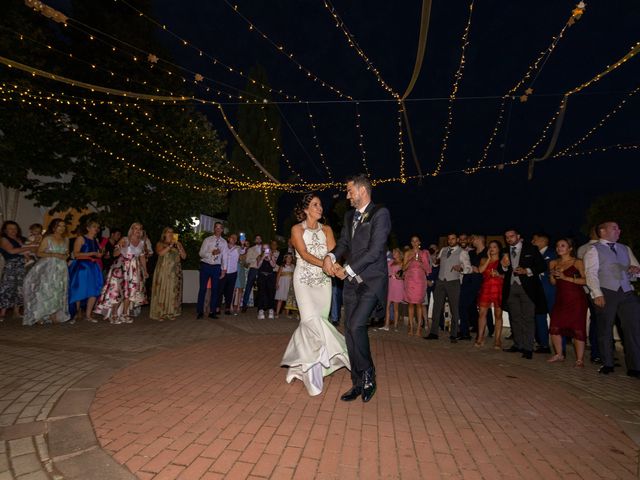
x=532, y=281
x=56, y=281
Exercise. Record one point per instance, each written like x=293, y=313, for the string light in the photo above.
x=363, y=151
x=280, y=48
x=619, y=146
x=315, y=139
x=277, y=144
x=138, y=96
x=533, y=68
x=558, y=116
x=599, y=125
x=270, y=209
x=202, y=53
x=354, y=45
x=454, y=92
x=401, y=142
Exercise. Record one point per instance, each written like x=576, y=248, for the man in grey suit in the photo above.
x=610, y=267
x=363, y=247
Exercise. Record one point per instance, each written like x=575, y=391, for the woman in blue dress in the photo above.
x=85, y=274
x=45, y=286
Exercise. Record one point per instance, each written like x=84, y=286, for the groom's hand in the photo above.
x=327, y=266
x=340, y=272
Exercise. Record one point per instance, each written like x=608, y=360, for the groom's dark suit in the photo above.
x=366, y=254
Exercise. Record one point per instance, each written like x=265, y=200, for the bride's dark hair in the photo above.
x=303, y=204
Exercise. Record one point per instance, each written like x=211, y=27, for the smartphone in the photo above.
x=243, y=237
x=175, y=237
x=267, y=250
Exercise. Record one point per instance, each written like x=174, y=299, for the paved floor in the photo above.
x=207, y=399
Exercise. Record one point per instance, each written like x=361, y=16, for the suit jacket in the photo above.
x=366, y=252
x=529, y=258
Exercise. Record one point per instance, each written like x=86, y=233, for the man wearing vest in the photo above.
x=610, y=267
x=454, y=263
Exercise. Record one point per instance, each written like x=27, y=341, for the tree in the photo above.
x=131, y=161
x=249, y=210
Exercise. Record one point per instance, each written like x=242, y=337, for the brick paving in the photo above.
x=207, y=399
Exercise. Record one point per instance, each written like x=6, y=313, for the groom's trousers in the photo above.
x=359, y=302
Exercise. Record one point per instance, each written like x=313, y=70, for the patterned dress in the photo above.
x=125, y=281
x=12, y=277
x=316, y=348
x=45, y=287
x=166, y=292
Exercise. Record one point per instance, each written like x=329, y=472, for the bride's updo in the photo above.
x=303, y=204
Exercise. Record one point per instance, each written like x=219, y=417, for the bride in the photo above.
x=316, y=348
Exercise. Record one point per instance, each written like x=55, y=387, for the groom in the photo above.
x=363, y=245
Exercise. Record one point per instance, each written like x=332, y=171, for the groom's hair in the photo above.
x=361, y=180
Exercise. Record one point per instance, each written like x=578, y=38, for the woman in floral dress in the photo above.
x=13, y=249
x=124, y=290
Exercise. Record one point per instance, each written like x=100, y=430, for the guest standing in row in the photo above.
x=166, y=290
x=490, y=294
x=228, y=283
x=212, y=268
x=395, y=292
x=569, y=313
x=14, y=252
x=85, y=274
x=124, y=288
x=45, y=286
x=416, y=266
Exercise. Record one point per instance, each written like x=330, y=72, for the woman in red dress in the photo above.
x=569, y=313
x=490, y=294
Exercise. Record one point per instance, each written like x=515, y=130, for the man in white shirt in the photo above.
x=594, y=353
x=454, y=263
x=213, y=253
x=610, y=268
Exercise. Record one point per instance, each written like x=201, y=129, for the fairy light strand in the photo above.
x=317, y=142
x=274, y=139
x=361, y=145
x=454, y=91
x=351, y=40
x=283, y=51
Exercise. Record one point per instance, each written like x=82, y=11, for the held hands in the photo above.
x=327, y=266
x=456, y=268
x=339, y=271
x=599, y=302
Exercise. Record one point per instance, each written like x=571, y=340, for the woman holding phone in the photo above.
x=166, y=292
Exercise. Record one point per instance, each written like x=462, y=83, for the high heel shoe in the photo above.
x=579, y=364
x=479, y=343
x=556, y=358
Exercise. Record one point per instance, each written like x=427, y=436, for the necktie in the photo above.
x=449, y=252
x=513, y=252
x=612, y=246
x=356, y=219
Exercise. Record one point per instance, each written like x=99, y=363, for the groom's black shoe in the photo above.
x=352, y=394
x=368, y=385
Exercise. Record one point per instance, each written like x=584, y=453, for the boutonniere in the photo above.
x=364, y=217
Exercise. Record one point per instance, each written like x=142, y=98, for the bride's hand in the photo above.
x=327, y=266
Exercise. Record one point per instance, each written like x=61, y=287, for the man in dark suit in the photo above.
x=363, y=246
x=522, y=293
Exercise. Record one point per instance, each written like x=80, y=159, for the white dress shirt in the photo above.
x=347, y=268
x=232, y=258
x=211, y=243
x=592, y=265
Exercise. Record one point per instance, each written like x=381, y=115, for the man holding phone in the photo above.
x=213, y=253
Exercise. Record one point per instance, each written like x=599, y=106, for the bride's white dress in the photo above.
x=316, y=348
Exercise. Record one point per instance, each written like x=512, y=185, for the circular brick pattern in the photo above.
x=221, y=409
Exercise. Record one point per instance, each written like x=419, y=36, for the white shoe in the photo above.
x=260, y=314
x=271, y=316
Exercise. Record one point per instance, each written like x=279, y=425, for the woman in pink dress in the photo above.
x=490, y=294
x=395, y=293
x=416, y=266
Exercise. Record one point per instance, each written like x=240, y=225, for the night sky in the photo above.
x=505, y=38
